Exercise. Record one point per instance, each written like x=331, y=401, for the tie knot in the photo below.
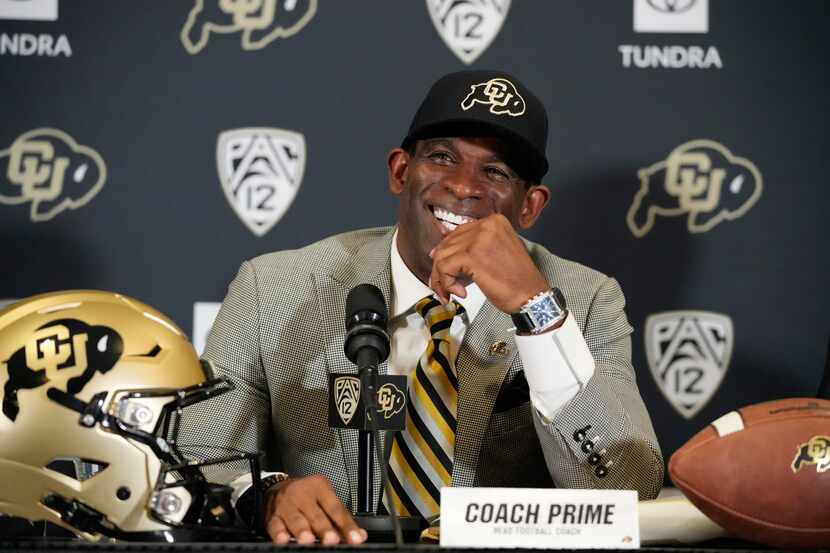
x=433, y=311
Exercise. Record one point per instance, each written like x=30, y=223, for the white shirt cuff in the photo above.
x=557, y=366
x=243, y=483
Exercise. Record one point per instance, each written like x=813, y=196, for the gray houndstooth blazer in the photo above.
x=280, y=331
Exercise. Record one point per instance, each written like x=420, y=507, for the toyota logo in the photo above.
x=671, y=6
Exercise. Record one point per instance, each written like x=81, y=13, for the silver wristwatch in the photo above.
x=541, y=312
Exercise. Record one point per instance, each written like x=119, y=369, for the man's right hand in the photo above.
x=308, y=509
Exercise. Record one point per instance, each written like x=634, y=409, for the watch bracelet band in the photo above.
x=245, y=504
x=524, y=322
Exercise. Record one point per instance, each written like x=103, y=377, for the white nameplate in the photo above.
x=539, y=518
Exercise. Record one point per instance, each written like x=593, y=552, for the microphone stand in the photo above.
x=379, y=528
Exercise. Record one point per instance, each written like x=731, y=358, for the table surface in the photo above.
x=74, y=546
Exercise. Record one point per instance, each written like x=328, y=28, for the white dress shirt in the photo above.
x=557, y=364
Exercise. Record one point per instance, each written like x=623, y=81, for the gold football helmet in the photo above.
x=96, y=381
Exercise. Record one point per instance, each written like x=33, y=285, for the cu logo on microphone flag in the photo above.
x=346, y=408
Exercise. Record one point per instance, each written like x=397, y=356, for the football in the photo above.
x=763, y=472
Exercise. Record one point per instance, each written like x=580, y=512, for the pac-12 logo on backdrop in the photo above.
x=700, y=180
x=261, y=170
x=468, y=26
x=29, y=10
x=50, y=170
x=688, y=353
x=671, y=16
x=260, y=21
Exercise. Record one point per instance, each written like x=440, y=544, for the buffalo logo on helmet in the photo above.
x=260, y=170
x=701, y=180
x=468, y=27
x=500, y=94
x=688, y=353
x=64, y=350
x=260, y=21
x=346, y=396
x=815, y=452
x=391, y=400
x=48, y=168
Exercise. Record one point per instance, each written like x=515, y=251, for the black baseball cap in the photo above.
x=485, y=103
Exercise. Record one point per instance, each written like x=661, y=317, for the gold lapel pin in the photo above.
x=499, y=349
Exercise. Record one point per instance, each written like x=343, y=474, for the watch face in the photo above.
x=543, y=311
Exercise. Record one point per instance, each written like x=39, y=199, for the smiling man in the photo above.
x=519, y=362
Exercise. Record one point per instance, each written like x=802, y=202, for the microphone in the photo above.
x=367, y=342
x=369, y=404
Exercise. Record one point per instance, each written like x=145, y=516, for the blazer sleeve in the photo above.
x=239, y=419
x=603, y=437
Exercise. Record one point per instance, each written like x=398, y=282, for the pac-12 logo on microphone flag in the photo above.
x=261, y=170
x=346, y=397
x=688, y=353
x=468, y=26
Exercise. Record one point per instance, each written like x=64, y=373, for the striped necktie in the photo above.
x=421, y=458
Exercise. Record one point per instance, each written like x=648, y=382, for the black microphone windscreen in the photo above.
x=365, y=297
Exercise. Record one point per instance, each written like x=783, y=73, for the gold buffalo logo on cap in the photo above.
x=48, y=168
x=815, y=452
x=700, y=179
x=500, y=94
x=260, y=21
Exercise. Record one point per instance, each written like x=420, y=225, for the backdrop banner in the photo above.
x=149, y=148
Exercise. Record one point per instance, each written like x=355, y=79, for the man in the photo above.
x=552, y=403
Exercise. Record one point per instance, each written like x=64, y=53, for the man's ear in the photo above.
x=398, y=163
x=536, y=198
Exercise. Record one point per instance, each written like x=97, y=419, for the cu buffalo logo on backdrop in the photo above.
x=260, y=21
x=261, y=170
x=700, y=180
x=66, y=350
x=468, y=26
x=499, y=94
x=688, y=353
x=48, y=169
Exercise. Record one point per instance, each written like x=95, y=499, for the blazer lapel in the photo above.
x=485, y=356
x=369, y=265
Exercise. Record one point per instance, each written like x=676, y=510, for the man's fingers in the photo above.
x=277, y=531
x=321, y=525
x=298, y=526
x=343, y=520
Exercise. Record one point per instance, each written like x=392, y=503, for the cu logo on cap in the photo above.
x=671, y=6
x=500, y=94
